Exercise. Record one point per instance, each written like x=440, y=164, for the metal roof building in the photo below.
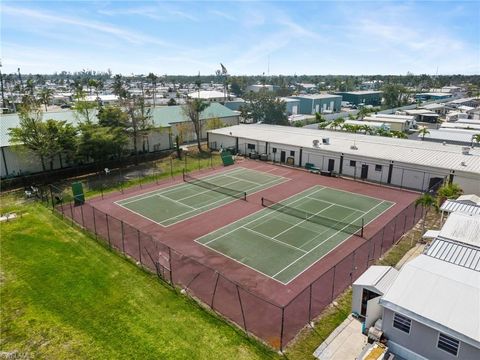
x=450, y=206
x=406, y=163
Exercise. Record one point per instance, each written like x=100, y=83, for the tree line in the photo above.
x=102, y=132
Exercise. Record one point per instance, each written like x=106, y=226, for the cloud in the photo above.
x=222, y=15
x=124, y=34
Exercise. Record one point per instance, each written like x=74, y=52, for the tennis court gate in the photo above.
x=276, y=324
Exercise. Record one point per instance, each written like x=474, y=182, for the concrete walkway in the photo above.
x=411, y=254
x=345, y=343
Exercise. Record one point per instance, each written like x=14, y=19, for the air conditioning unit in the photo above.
x=326, y=141
x=465, y=150
x=316, y=143
x=354, y=147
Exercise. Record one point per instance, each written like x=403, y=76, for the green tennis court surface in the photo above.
x=281, y=245
x=171, y=205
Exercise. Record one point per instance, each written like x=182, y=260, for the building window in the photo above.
x=292, y=153
x=251, y=146
x=353, y=163
x=274, y=150
x=448, y=344
x=378, y=167
x=402, y=323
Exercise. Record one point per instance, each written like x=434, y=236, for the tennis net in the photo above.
x=214, y=187
x=348, y=228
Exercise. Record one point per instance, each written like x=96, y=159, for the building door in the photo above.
x=282, y=156
x=331, y=164
x=332, y=106
x=294, y=110
x=317, y=108
x=364, y=173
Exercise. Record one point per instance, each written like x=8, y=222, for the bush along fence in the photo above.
x=275, y=324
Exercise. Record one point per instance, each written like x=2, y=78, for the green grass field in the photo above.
x=64, y=296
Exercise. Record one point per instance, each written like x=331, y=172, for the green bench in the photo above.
x=312, y=168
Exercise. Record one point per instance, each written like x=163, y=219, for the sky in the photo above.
x=248, y=37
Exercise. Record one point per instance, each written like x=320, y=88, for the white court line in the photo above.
x=329, y=202
x=175, y=201
x=174, y=186
x=205, y=191
x=301, y=257
x=211, y=203
x=263, y=216
x=340, y=243
x=270, y=238
x=301, y=222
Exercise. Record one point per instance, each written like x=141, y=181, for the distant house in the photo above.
x=362, y=97
x=258, y=88
x=209, y=95
x=321, y=103
x=292, y=105
x=432, y=96
x=168, y=121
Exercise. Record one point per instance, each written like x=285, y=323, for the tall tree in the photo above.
x=264, y=107
x=140, y=122
x=423, y=132
x=448, y=191
x=427, y=202
x=46, y=95
x=83, y=109
x=192, y=109
x=100, y=143
x=153, y=79
x=112, y=116
x=118, y=87
x=31, y=132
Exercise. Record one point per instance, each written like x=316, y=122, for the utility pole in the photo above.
x=1, y=82
x=20, y=78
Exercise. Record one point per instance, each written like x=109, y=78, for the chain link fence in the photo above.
x=274, y=323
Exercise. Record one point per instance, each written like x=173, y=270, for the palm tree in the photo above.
x=368, y=129
x=427, y=202
x=337, y=123
x=475, y=139
x=153, y=79
x=423, y=132
x=448, y=191
x=323, y=125
x=399, y=134
x=46, y=96
x=363, y=112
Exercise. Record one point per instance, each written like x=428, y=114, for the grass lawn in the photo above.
x=64, y=296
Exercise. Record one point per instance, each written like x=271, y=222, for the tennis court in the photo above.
x=284, y=239
x=168, y=206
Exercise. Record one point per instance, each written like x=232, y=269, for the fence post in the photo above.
x=211, y=160
x=214, y=291
x=94, y=223
x=71, y=212
x=170, y=265
x=51, y=196
x=108, y=232
x=381, y=244
x=310, y=306
x=241, y=309
x=123, y=238
x=139, y=247
x=333, y=282
x=281, y=329
x=81, y=212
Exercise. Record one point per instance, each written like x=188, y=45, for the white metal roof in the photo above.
x=386, y=119
x=377, y=277
x=207, y=94
x=316, y=96
x=458, y=125
x=455, y=253
x=469, y=198
x=468, y=121
x=459, y=136
x=365, y=122
x=423, y=153
x=433, y=106
x=439, y=294
x=421, y=112
x=463, y=228
x=453, y=206
x=394, y=116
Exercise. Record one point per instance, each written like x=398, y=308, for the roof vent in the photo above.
x=354, y=147
x=463, y=163
x=316, y=143
x=444, y=143
x=465, y=150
